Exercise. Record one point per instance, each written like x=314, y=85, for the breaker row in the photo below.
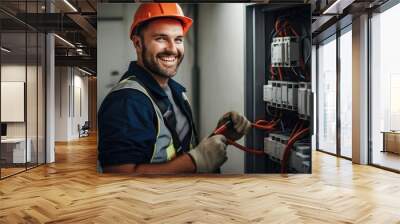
x=300, y=155
x=295, y=96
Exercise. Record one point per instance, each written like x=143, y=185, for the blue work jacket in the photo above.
x=127, y=122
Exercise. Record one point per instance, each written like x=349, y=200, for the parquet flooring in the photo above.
x=70, y=191
x=386, y=159
x=6, y=171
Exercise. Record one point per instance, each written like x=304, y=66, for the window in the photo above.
x=334, y=106
x=22, y=78
x=346, y=93
x=327, y=96
x=385, y=86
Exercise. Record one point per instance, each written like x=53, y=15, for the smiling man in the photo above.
x=145, y=122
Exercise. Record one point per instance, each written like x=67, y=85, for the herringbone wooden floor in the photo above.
x=70, y=191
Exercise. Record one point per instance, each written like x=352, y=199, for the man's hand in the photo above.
x=210, y=154
x=240, y=124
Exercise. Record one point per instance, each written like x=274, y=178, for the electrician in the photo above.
x=145, y=122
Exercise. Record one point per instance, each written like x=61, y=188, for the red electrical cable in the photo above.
x=271, y=70
x=293, y=31
x=260, y=124
x=288, y=147
x=278, y=32
x=265, y=125
x=221, y=129
x=302, y=66
x=280, y=73
x=241, y=147
x=294, y=130
x=285, y=25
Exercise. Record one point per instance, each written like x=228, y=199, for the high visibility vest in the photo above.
x=164, y=149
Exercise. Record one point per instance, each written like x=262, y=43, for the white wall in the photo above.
x=17, y=73
x=81, y=105
x=115, y=49
x=61, y=103
x=221, y=62
x=69, y=82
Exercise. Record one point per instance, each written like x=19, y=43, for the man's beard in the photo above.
x=151, y=64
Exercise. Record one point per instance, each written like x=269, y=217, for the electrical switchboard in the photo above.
x=278, y=87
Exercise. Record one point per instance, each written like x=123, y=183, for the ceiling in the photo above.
x=329, y=15
x=73, y=20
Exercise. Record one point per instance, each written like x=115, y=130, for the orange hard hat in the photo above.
x=149, y=11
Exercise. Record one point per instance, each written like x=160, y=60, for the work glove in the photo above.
x=241, y=125
x=210, y=154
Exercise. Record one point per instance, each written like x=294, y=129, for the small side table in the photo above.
x=16, y=149
x=391, y=141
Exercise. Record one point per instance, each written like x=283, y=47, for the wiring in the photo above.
x=283, y=27
x=264, y=125
x=280, y=73
x=267, y=108
x=282, y=127
x=260, y=124
x=299, y=134
x=297, y=74
x=271, y=70
x=295, y=129
x=243, y=148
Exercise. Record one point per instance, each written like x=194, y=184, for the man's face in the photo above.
x=162, y=48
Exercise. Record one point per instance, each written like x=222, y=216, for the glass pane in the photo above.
x=346, y=94
x=23, y=88
x=13, y=86
x=41, y=98
x=314, y=89
x=327, y=96
x=31, y=97
x=385, y=84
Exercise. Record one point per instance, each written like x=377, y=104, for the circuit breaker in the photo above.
x=305, y=100
x=285, y=51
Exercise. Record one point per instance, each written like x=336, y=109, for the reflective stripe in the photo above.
x=171, y=152
x=158, y=133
